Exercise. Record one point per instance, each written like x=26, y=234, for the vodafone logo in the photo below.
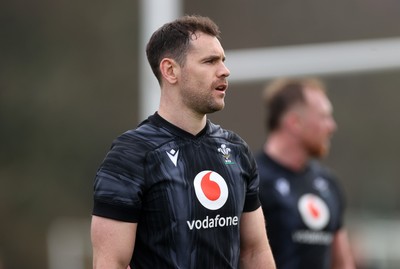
x=211, y=189
x=314, y=211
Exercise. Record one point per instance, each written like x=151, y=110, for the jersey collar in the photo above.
x=159, y=121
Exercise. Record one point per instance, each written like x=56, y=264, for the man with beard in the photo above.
x=179, y=191
x=302, y=201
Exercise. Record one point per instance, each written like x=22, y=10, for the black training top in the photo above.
x=187, y=193
x=302, y=211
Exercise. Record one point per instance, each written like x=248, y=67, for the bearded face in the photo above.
x=204, y=76
x=318, y=124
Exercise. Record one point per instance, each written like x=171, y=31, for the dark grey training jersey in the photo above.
x=187, y=193
x=302, y=211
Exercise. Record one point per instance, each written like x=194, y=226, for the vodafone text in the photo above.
x=217, y=221
x=312, y=237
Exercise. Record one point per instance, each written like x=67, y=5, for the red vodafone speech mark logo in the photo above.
x=313, y=208
x=211, y=189
x=314, y=211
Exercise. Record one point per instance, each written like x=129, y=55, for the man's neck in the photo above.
x=286, y=152
x=187, y=121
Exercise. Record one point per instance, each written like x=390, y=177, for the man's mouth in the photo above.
x=222, y=87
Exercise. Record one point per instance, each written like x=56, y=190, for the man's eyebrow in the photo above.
x=215, y=57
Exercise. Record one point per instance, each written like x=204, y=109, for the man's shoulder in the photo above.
x=144, y=137
x=321, y=169
x=216, y=130
x=266, y=162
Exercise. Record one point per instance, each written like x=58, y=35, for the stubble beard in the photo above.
x=318, y=150
x=202, y=103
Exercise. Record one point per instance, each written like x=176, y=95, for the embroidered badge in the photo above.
x=226, y=154
x=283, y=186
x=173, y=156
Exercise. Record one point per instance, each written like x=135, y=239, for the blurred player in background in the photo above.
x=302, y=201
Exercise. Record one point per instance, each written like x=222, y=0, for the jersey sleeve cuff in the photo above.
x=252, y=202
x=116, y=212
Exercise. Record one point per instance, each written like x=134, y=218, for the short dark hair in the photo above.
x=173, y=39
x=283, y=94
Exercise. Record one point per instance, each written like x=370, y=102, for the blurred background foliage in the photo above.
x=69, y=85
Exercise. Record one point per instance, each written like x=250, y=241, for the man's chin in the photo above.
x=215, y=108
x=320, y=153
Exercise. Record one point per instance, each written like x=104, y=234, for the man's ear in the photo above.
x=169, y=70
x=293, y=121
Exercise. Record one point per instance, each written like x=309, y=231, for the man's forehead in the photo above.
x=206, y=43
x=317, y=97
